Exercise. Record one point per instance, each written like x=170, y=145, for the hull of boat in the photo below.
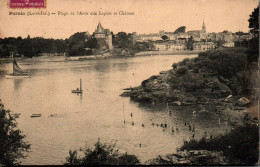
x=36, y=115
x=17, y=76
x=76, y=91
x=75, y=58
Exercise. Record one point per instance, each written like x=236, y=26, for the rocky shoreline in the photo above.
x=203, y=82
x=192, y=157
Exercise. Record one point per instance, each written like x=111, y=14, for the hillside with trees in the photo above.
x=29, y=47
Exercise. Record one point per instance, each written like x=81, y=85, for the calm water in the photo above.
x=98, y=113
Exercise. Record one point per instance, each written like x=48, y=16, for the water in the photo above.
x=98, y=112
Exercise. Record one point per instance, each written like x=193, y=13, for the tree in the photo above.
x=92, y=43
x=220, y=43
x=102, y=154
x=12, y=144
x=254, y=29
x=189, y=43
x=254, y=22
x=123, y=40
x=28, y=50
x=165, y=37
x=77, y=43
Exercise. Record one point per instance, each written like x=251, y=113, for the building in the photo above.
x=176, y=46
x=160, y=46
x=148, y=37
x=170, y=46
x=203, y=27
x=198, y=34
x=104, y=37
x=203, y=46
x=229, y=44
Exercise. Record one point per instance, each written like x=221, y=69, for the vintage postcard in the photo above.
x=129, y=82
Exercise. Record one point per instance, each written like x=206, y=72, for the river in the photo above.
x=98, y=112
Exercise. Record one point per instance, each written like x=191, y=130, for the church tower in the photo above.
x=203, y=27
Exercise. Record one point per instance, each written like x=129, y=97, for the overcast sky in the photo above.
x=150, y=16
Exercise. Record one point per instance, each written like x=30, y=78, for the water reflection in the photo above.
x=17, y=84
x=80, y=96
x=121, y=66
x=104, y=66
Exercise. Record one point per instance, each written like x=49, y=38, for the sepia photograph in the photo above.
x=129, y=82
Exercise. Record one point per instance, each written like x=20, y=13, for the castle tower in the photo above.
x=99, y=33
x=203, y=27
x=104, y=37
x=109, y=38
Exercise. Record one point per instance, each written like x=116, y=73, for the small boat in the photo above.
x=17, y=72
x=78, y=90
x=36, y=115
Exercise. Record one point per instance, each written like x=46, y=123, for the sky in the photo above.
x=150, y=16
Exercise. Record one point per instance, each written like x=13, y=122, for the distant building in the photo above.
x=160, y=46
x=170, y=46
x=197, y=34
x=161, y=33
x=87, y=36
x=203, y=45
x=104, y=37
x=240, y=36
x=176, y=46
x=148, y=37
x=203, y=27
x=229, y=44
x=177, y=40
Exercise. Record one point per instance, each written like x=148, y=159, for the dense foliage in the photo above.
x=80, y=43
x=231, y=66
x=240, y=145
x=122, y=40
x=101, y=154
x=77, y=43
x=165, y=37
x=189, y=43
x=254, y=22
x=12, y=144
x=225, y=62
x=126, y=42
x=29, y=47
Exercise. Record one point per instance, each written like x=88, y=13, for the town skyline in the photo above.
x=221, y=15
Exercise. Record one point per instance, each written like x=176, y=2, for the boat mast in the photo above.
x=12, y=56
x=13, y=66
x=80, y=86
x=124, y=111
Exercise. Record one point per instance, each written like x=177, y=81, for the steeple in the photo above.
x=203, y=27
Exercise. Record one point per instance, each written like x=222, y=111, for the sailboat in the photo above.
x=17, y=72
x=78, y=90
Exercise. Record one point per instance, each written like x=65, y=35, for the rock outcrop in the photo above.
x=211, y=78
x=190, y=88
x=193, y=157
